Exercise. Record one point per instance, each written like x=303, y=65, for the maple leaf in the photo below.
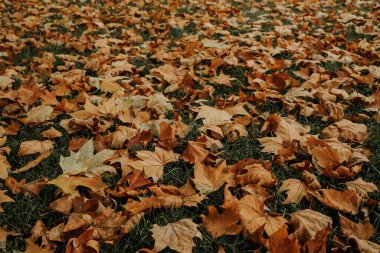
x=68, y=184
x=253, y=216
x=307, y=223
x=152, y=163
x=208, y=179
x=85, y=162
x=177, y=236
x=222, y=224
x=295, y=189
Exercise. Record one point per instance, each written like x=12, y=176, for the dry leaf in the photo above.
x=361, y=187
x=152, y=163
x=85, y=162
x=68, y=184
x=177, y=236
x=307, y=223
x=359, y=230
x=33, y=147
x=295, y=189
x=346, y=201
x=208, y=179
x=222, y=224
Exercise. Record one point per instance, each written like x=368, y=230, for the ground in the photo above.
x=92, y=69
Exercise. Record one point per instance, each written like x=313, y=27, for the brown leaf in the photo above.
x=346, y=130
x=253, y=216
x=33, y=147
x=51, y=133
x=177, y=236
x=319, y=242
x=83, y=244
x=295, y=189
x=34, y=162
x=280, y=242
x=4, y=166
x=346, y=201
x=307, y=223
x=364, y=245
x=222, y=224
x=208, y=179
x=167, y=137
x=68, y=184
x=31, y=247
x=361, y=187
x=195, y=151
x=152, y=163
x=359, y=230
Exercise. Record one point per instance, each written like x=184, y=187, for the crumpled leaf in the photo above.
x=177, y=236
x=159, y=103
x=85, y=162
x=346, y=130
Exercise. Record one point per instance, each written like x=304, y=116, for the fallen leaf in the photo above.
x=152, y=163
x=295, y=189
x=208, y=179
x=33, y=147
x=253, y=217
x=68, y=184
x=222, y=224
x=4, y=166
x=195, y=151
x=346, y=130
x=307, y=223
x=346, y=201
x=361, y=187
x=359, y=230
x=281, y=242
x=177, y=236
x=85, y=162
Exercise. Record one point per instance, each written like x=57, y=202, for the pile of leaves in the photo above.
x=205, y=126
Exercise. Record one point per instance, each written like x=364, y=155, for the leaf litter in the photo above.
x=117, y=113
